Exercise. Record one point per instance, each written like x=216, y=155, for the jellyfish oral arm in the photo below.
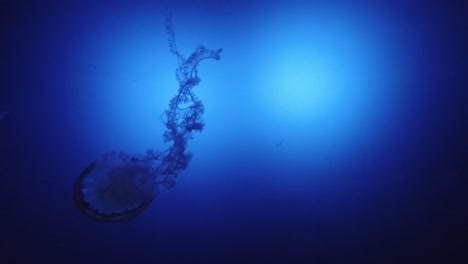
x=185, y=112
x=187, y=73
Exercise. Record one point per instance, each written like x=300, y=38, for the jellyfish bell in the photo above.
x=116, y=186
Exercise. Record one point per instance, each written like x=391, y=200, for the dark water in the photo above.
x=335, y=132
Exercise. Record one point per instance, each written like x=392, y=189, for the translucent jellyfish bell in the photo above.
x=116, y=186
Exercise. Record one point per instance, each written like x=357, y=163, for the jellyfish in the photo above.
x=118, y=186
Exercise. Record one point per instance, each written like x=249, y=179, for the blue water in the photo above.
x=336, y=131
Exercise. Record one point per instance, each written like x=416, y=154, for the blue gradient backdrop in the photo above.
x=336, y=131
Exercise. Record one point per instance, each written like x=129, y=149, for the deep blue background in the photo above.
x=368, y=99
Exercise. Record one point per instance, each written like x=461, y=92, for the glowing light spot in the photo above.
x=303, y=86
